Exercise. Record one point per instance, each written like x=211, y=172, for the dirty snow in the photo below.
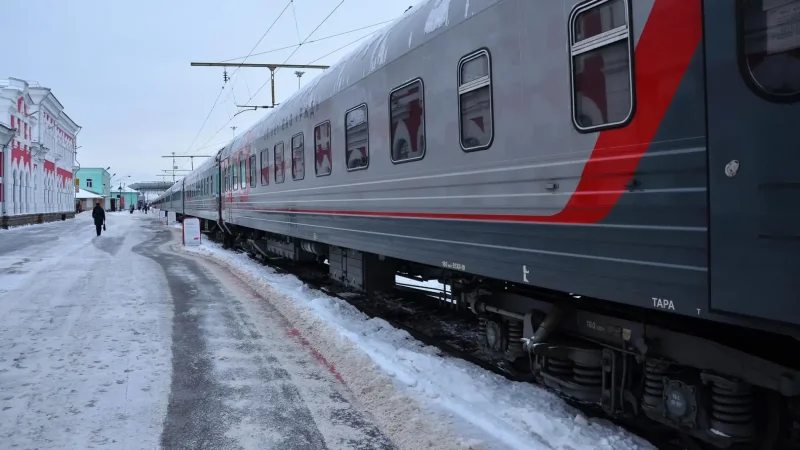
x=84, y=341
x=481, y=409
x=119, y=342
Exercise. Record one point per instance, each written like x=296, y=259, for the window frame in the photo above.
x=474, y=85
x=252, y=170
x=242, y=171
x=235, y=179
x=275, y=162
x=264, y=152
x=596, y=42
x=369, y=151
x=330, y=141
x=291, y=144
x=744, y=69
x=424, y=118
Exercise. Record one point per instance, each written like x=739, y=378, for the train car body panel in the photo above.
x=579, y=173
x=202, y=193
x=617, y=214
x=753, y=85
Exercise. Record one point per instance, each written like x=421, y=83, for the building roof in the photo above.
x=82, y=194
x=125, y=189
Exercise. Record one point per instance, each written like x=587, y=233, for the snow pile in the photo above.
x=478, y=404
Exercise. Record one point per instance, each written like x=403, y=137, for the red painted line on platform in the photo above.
x=331, y=368
x=290, y=330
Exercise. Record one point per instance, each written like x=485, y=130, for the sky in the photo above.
x=122, y=68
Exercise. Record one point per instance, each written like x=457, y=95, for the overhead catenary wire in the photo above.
x=284, y=62
x=298, y=48
x=315, y=60
x=311, y=41
x=216, y=101
x=296, y=26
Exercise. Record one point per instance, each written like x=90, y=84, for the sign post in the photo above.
x=191, y=232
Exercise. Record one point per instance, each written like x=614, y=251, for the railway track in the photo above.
x=429, y=318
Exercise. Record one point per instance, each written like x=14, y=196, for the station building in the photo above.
x=95, y=180
x=124, y=197
x=37, y=155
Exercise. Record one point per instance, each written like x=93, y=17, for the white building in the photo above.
x=37, y=155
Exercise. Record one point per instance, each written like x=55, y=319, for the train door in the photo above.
x=226, y=196
x=752, y=50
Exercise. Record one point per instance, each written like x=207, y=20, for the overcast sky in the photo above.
x=121, y=68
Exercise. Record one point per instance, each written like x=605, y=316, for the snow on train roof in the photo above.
x=418, y=25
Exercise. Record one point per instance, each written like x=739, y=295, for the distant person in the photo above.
x=99, y=217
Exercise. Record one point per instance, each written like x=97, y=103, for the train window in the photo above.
x=407, y=114
x=601, y=68
x=252, y=170
x=322, y=149
x=475, y=101
x=265, y=166
x=279, y=166
x=235, y=179
x=298, y=157
x=771, y=46
x=243, y=173
x=356, y=139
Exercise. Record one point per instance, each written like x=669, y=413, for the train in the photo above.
x=610, y=188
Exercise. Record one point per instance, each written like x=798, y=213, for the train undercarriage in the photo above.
x=713, y=385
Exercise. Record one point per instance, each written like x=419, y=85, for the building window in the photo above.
x=476, y=122
x=279, y=166
x=322, y=149
x=265, y=166
x=771, y=50
x=601, y=65
x=356, y=139
x=243, y=173
x=407, y=113
x=298, y=157
x=88, y=182
x=252, y=170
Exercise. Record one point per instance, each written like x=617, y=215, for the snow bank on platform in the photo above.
x=476, y=403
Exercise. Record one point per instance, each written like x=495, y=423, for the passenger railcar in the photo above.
x=610, y=185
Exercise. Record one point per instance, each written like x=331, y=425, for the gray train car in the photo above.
x=201, y=193
x=608, y=184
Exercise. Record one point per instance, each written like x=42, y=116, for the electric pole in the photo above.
x=233, y=129
x=175, y=166
x=272, y=68
x=299, y=74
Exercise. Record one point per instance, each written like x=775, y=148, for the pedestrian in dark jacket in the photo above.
x=99, y=217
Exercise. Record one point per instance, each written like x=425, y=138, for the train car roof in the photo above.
x=414, y=28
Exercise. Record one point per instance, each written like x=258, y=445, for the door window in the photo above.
x=771, y=46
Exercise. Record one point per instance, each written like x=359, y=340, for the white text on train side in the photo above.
x=663, y=303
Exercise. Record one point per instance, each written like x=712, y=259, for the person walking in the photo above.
x=99, y=217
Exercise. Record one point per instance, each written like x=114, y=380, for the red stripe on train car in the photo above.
x=662, y=57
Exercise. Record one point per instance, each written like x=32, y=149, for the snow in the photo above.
x=481, y=409
x=84, y=342
x=438, y=16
